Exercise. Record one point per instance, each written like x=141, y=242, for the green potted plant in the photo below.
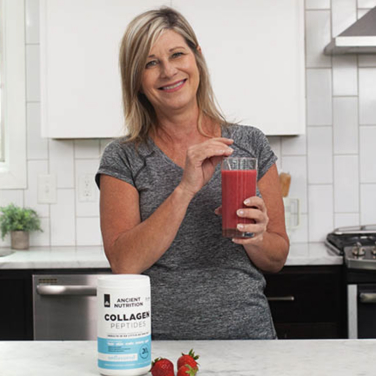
x=19, y=222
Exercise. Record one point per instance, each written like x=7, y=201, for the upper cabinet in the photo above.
x=254, y=50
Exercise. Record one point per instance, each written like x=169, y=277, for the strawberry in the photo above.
x=187, y=370
x=162, y=367
x=189, y=359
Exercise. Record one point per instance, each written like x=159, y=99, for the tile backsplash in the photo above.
x=333, y=166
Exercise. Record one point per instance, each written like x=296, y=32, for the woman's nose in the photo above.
x=168, y=69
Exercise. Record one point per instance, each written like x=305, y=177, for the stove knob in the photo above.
x=373, y=250
x=358, y=250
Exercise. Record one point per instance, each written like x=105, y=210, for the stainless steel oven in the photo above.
x=64, y=306
x=358, y=247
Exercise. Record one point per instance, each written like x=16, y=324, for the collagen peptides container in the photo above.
x=124, y=325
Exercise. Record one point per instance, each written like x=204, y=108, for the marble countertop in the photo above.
x=233, y=358
x=94, y=257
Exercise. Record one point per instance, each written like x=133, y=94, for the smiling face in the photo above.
x=171, y=78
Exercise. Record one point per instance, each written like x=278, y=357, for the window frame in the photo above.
x=13, y=172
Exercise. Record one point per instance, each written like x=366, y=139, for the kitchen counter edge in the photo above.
x=93, y=257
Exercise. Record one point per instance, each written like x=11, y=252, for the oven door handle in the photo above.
x=64, y=290
x=367, y=297
x=287, y=298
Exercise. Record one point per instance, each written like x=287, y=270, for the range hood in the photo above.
x=359, y=38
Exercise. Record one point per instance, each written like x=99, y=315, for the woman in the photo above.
x=161, y=192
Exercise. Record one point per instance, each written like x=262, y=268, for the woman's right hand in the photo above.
x=201, y=160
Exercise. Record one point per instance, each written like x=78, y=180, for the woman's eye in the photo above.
x=151, y=64
x=177, y=54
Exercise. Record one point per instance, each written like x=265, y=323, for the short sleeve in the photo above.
x=251, y=141
x=265, y=155
x=115, y=162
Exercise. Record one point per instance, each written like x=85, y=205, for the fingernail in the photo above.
x=246, y=202
x=240, y=226
x=240, y=212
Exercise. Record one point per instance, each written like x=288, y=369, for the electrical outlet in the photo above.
x=47, y=189
x=86, y=188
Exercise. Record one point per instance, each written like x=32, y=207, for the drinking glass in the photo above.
x=239, y=179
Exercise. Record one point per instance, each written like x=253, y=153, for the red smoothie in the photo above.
x=237, y=185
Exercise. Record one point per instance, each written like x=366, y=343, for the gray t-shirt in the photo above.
x=204, y=286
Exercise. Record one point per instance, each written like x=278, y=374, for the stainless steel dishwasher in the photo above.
x=64, y=306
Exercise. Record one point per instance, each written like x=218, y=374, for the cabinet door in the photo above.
x=255, y=53
x=80, y=78
x=16, y=314
x=254, y=49
x=308, y=302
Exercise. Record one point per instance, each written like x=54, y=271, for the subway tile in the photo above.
x=320, y=165
x=38, y=238
x=32, y=21
x=86, y=148
x=316, y=42
x=294, y=145
x=317, y=4
x=296, y=166
x=62, y=223
x=362, y=12
x=367, y=96
x=34, y=169
x=345, y=125
x=346, y=184
x=346, y=219
x=300, y=234
x=319, y=97
x=32, y=73
x=62, y=162
x=320, y=217
x=367, y=154
x=89, y=231
x=366, y=3
x=345, y=75
x=367, y=204
x=37, y=147
x=87, y=167
x=11, y=196
x=343, y=15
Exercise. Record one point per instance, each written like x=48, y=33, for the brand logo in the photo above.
x=107, y=302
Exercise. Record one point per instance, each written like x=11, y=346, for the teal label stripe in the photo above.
x=104, y=364
x=124, y=353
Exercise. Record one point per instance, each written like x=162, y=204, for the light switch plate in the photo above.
x=47, y=189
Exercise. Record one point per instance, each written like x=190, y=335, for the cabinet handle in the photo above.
x=367, y=297
x=57, y=290
x=288, y=298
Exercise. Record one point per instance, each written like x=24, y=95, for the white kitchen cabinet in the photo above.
x=80, y=77
x=255, y=53
x=254, y=50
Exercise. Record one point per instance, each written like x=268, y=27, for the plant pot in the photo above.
x=19, y=240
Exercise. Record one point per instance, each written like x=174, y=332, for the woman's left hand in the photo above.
x=268, y=248
x=256, y=210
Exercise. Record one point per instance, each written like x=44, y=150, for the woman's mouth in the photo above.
x=173, y=87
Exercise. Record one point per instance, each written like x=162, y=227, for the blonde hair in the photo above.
x=139, y=37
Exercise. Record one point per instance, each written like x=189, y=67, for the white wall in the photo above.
x=333, y=166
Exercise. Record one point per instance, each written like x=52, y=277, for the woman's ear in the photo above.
x=199, y=49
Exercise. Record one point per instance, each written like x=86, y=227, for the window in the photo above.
x=13, y=97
